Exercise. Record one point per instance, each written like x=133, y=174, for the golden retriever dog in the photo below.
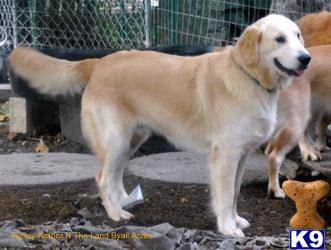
x=223, y=104
x=298, y=114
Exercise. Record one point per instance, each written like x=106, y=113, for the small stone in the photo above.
x=183, y=200
x=259, y=242
x=59, y=137
x=85, y=213
x=87, y=201
x=28, y=230
x=20, y=223
x=74, y=221
x=280, y=242
x=12, y=136
x=7, y=240
x=63, y=227
x=9, y=225
x=227, y=244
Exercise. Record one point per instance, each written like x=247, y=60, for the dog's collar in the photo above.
x=251, y=77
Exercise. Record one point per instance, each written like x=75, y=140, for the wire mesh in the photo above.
x=7, y=26
x=214, y=22
x=101, y=24
x=81, y=24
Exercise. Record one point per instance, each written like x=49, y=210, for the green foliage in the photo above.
x=4, y=109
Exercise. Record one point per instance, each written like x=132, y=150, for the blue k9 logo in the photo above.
x=307, y=239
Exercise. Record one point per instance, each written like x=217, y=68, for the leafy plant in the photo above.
x=4, y=108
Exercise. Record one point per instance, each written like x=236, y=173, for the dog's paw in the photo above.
x=242, y=222
x=235, y=232
x=229, y=228
x=276, y=194
x=118, y=214
x=311, y=155
x=238, y=233
x=125, y=215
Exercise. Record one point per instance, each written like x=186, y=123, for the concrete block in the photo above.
x=31, y=117
x=18, y=115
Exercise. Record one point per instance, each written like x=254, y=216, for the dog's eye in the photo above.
x=280, y=39
x=298, y=35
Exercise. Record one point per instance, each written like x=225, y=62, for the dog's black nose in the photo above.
x=304, y=59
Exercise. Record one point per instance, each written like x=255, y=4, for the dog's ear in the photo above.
x=248, y=45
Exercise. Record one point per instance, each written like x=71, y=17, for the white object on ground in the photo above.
x=315, y=173
x=135, y=197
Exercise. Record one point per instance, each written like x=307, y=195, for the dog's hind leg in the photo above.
x=141, y=134
x=110, y=179
x=321, y=131
x=109, y=135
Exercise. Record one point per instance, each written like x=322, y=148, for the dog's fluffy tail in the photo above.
x=49, y=75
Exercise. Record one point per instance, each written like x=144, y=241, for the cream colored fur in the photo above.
x=222, y=104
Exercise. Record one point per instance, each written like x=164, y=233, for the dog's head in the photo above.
x=272, y=49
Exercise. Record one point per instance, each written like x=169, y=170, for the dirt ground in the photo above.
x=180, y=205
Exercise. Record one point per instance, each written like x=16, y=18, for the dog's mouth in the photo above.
x=291, y=72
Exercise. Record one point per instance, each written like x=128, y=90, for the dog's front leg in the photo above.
x=223, y=164
x=241, y=222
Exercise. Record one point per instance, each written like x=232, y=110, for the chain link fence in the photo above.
x=7, y=26
x=214, y=22
x=80, y=24
x=104, y=24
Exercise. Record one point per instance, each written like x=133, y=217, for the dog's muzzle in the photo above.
x=303, y=59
